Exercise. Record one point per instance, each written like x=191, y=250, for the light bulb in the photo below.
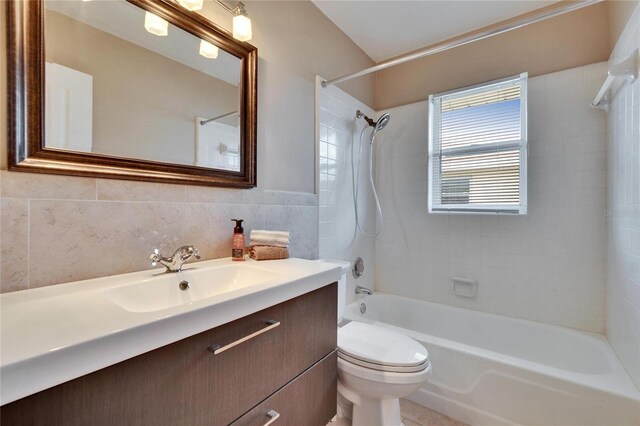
x=155, y=24
x=208, y=50
x=241, y=28
x=191, y=4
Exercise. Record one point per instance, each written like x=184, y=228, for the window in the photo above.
x=478, y=148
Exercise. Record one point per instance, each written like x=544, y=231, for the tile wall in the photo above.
x=338, y=131
x=623, y=207
x=58, y=229
x=547, y=266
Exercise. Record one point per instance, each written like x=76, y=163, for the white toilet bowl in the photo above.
x=377, y=367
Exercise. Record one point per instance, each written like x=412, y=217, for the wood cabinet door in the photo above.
x=310, y=329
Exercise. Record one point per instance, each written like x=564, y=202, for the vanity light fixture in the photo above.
x=208, y=50
x=241, y=22
x=155, y=24
x=191, y=4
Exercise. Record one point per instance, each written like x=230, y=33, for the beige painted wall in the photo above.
x=563, y=42
x=144, y=104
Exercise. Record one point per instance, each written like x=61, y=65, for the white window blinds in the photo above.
x=478, y=148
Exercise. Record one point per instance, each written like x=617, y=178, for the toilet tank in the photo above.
x=342, y=283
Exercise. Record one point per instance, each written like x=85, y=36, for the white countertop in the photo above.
x=54, y=334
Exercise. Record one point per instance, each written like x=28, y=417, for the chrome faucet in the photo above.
x=175, y=262
x=363, y=290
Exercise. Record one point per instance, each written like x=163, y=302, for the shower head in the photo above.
x=382, y=122
x=377, y=125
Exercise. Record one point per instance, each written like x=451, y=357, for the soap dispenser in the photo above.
x=237, y=249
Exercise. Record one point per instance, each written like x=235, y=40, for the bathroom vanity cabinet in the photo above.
x=277, y=365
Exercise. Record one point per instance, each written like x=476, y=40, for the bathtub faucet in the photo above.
x=363, y=290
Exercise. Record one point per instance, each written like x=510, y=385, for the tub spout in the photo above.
x=363, y=290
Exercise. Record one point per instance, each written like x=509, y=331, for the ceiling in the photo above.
x=384, y=29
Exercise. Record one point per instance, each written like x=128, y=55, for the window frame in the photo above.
x=433, y=139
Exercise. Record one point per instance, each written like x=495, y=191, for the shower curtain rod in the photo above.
x=203, y=122
x=461, y=41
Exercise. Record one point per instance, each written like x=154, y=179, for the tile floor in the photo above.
x=417, y=415
x=414, y=415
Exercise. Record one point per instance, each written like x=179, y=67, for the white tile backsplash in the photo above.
x=547, y=266
x=623, y=207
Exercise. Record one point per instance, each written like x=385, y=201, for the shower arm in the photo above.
x=360, y=114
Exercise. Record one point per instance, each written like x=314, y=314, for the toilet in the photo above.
x=376, y=367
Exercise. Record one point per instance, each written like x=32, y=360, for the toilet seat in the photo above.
x=381, y=378
x=380, y=367
x=376, y=348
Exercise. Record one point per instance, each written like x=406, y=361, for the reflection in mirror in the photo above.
x=124, y=83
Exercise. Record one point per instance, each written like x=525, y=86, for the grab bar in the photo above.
x=217, y=349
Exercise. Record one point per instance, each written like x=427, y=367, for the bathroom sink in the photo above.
x=169, y=290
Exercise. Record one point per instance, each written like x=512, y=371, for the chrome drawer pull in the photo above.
x=217, y=349
x=273, y=416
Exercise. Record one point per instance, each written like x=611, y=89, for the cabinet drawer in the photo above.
x=218, y=387
x=309, y=400
x=185, y=383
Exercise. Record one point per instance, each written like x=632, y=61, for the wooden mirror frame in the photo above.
x=25, y=104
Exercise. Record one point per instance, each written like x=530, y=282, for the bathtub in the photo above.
x=495, y=370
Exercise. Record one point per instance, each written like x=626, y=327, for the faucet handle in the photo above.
x=155, y=257
x=196, y=253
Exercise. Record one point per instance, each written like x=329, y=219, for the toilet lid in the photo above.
x=377, y=345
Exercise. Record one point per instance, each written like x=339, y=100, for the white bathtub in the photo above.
x=493, y=370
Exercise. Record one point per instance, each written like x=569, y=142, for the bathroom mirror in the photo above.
x=136, y=89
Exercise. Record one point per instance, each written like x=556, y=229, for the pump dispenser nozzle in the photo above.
x=238, y=229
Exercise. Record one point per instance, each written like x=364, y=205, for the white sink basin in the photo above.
x=163, y=291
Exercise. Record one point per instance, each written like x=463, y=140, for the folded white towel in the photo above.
x=269, y=238
x=272, y=234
